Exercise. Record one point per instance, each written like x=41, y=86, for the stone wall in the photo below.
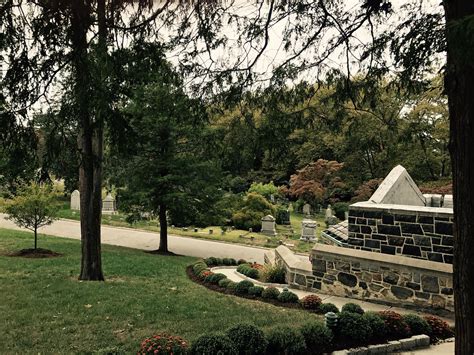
x=298, y=272
x=414, y=231
x=390, y=279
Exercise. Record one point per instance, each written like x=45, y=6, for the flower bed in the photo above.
x=355, y=327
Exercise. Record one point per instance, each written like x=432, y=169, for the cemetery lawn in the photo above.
x=284, y=233
x=45, y=309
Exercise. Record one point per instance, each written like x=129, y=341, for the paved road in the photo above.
x=139, y=239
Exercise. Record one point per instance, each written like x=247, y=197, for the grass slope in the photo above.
x=45, y=309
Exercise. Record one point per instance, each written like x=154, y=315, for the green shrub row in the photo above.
x=248, y=271
x=213, y=261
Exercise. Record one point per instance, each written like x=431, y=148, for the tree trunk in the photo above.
x=459, y=83
x=36, y=238
x=90, y=147
x=163, y=229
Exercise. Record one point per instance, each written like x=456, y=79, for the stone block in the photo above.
x=319, y=265
x=378, y=349
x=396, y=346
x=435, y=257
x=402, y=293
x=429, y=284
x=422, y=240
x=407, y=344
x=411, y=218
x=425, y=219
x=387, y=249
x=442, y=249
x=373, y=244
x=422, y=340
x=448, y=240
x=391, y=278
x=411, y=250
x=448, y=259
x=422, y=295
x=445, y=228
x=387, y=219
x=389, y=230
x=366, y=229
x=347, y=279
x=396, y=241
x=413, y=286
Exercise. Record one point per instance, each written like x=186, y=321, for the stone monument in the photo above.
x=308, y=230
x=306, y=209
x=108, y=204
x=76, y=200
x=329, y=218
x=268, y=226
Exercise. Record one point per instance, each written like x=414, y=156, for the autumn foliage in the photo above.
x=316, y=182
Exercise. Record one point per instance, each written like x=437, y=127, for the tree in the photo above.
x=167, y=169
x=33, y=207
x=316, y=182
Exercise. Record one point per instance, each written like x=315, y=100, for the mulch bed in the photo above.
x=217, y=288
x=37, y=253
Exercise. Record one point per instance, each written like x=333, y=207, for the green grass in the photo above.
x=45, y=309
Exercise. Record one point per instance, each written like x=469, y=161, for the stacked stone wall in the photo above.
x=395, y=280
x=424, y=232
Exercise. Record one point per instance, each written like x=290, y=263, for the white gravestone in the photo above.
x=108, y=204
x=307, y=209
x=329, y=218
x=75, y=200
x=448, y=201
x=268, y=226
x=308, y=230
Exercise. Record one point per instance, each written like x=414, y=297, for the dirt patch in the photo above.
x=37, y=253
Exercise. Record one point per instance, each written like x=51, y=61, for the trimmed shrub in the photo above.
x=339, y=209
x=163, y=344
x=199, y=267
x=317, y=336
x=417, y=324
x=212, y=261
x=311, y=302
x=247, y=339
x=270, y=293
x=353, y=327
x=256, y=291
x=287, y=297
x=242, y=287
x=241, y=261
x=439, y=328
x=352, y=308
x=204, y=274
x=328, y=307
x=229, y=261
x=285, y=341
x=209, y=276
x=273, y=274
x=248, y=271
x=396, y=326
x=224, y=282
x=231, y=286
x=377, y=324
x=215, y=278
x=212, y=344
x=219, y=261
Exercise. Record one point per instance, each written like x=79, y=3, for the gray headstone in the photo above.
x=76, y=200
x=306, y=209
x=308, y=230
x=268, y=225
x=448, y=201
x=398, y=188
x=108, y=204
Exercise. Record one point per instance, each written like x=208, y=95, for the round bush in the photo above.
x=396, y=326
x=353, y=327
x=242, y=287
x=227, y=261
x=352, y=308
x=317, y=336
x=270, y=293
x=311, y=302
x=417, y=324
x=248, y=271
x=377, y=324
x=328, y=307
x=204, y=274
x=214, y=279
x=231, y=286
x=285, y=341
x=163, y=344
x=233, y=261
x=247, y=339
x=199, y=267
x=212, y=344
x=224, y=282
x=287, y=297
x=219, y=261
x=256, y=291
x=212, y=261
x=439, y=328
x=209, y=276
x=241, y=261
